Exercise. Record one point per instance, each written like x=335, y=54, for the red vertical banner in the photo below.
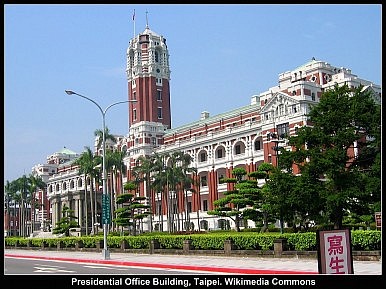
x=378, y=220
x=334, y=252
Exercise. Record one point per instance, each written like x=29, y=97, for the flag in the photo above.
x=134, y=15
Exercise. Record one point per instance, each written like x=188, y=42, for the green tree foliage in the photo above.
x=132, y=208
x=237, y=203
x=343, y=119
x=173, y=176
x=262, y=209
x=88, y=164
x=279, y=194
x=66, y=222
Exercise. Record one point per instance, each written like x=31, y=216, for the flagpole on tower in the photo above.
x=134, y=22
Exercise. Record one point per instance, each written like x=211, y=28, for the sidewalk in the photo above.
x=243, y=265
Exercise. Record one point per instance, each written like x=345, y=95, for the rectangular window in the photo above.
x=134, y=114
x=159, y=94
x=204, y=181
x=202, y=157
x=283, y=130
x=160, y=113
x=237, y=149
x=205, y=205
x=219, y=154
x=257, y=145
x=189, y=207
x=134, y=95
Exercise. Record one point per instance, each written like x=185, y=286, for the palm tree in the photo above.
x=187, y=181
x=14, y=200
x=119, y=167
x=87, y=163
x=24, y=193
x=116, y=167
x=161, y=185
x=9, y=193
x=174, y=174
x=36, y=183
x=144, y=169
x=22, y=198
x=108, y=161
x=99, y=135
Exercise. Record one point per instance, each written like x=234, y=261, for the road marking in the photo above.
x=52, y=269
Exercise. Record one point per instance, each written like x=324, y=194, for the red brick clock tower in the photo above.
x=148, y=76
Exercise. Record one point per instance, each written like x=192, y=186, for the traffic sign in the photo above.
x=105, y=209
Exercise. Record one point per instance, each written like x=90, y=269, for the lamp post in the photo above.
x=105, y=251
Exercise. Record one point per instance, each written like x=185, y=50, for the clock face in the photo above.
x=158, y=71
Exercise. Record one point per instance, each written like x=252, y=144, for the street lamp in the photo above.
x=105, y=251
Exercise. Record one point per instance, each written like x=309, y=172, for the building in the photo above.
x=243, y=137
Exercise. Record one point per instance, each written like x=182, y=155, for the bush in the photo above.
x=362, y=240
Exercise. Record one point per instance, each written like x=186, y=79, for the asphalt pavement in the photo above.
x=220, y=264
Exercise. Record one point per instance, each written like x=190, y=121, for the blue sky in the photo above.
x=220, y=55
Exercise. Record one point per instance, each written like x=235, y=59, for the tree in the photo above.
x=160, y=186
x=88, y=163
x=22, y=197
x=344, y=120
x=244, y=194
x=279, y=194
x=109, y=163
x=132, y=208
x=9, y=198
x=185, y=179
x=144, y=169
x=307, y=201
x=261, y=204
x=67, y=222
x=35, y=183
x=172, y=176
x=108, y=136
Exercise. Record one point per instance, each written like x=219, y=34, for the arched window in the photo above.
x=204, y=224
x=203, y=156
x=257, y=144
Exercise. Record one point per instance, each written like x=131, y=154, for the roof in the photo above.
x=66, y=151
x=214, y=118
x=309, y=63
x=148, y=31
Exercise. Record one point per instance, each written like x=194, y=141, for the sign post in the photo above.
x=334, y=252
x=106, y=209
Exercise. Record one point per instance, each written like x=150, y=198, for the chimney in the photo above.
x=204, y=115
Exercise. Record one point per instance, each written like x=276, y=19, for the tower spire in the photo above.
x=147, y=21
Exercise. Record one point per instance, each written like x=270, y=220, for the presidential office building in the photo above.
x=243, y=137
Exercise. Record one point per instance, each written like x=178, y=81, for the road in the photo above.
x=14, y=265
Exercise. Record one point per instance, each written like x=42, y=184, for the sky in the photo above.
x=220, y=56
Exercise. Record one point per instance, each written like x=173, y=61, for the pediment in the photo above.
x=375, y=95
x=279, y=99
